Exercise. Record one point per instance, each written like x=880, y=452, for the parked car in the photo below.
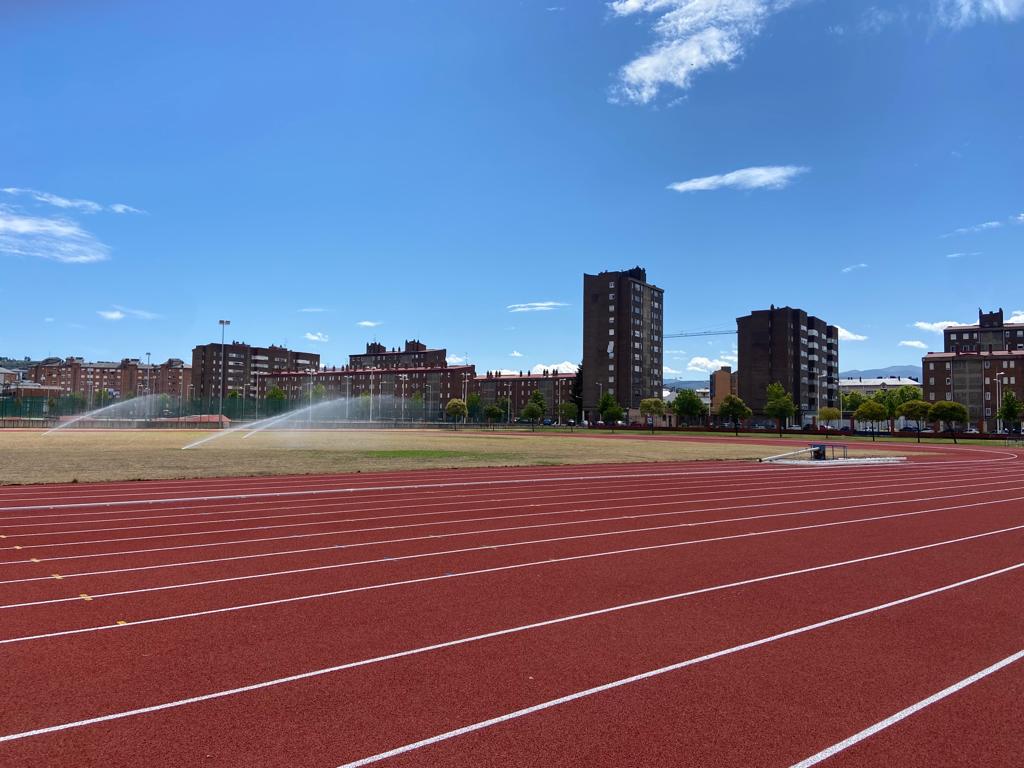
x=548, y=422
x=971, y=431
x=620, y=423
x=599, y=423
x=572, y=423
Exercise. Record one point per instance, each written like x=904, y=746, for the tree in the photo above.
x=538, y=399
x=688, y=405
x=651, y=407
x=828, y=413
x=1010, y=409
x=416, y=404
x=852, y=401
x=873, y=411
x=505, y=406
x=915, y=410
x=456, y=409
x=474, y=406
x=567, y=412
x=609, y=409
x=950, y=413
x=492, y=413
x=275, y=393
x=319, y=391
x=531, y=412
x=735, y=410
x=779, y=404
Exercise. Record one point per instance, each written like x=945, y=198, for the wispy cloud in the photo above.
x=536, y=306
x=960, y=255
x=319, y=336
x=692, y=37
x=514, y=353
x=669, y=371
x=368, y=323
x=563, y=367
x=48, y=238
x=914, y=343
x=313, y=309
x=755, y=177
x=68, y=203
x=853, y=268
x=122, y=208
x=936, y=327
x=120, y=313
x=962, y=13
x=845, y=335
x=49, y=319
x=455, y=360
x=1016, y=317
x=86, y=206
x=975, y=228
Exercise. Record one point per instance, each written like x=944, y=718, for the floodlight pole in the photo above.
x=223, y=373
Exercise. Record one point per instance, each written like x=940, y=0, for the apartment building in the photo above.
x=415, y=354
x=723, y=383
x=245, y=368
x=127, y=378
x=797, y=350
x=623, y=327
x=980, y=363
x=516, y=388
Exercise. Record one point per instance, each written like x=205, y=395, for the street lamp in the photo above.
x=223, y=373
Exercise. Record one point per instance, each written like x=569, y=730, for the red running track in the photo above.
x=636, y=615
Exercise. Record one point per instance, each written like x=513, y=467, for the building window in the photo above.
x=611, y=331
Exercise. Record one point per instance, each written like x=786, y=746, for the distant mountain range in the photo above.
x=911, y=371
x=908, y=371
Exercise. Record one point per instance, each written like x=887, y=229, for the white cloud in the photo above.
x=706, y=364
x=45, y=238
x=853, y=267
x=122, y=208
x=87, y=206
x=319, y=336
x=313, y=309
x=48, y=319
x=563, y=367
x=962, y=13
x=514, y=353
x=845, y=335
x=1019, y=218
x=913, y=343
x=962, y=255
x=755, y=177
x=693, y=36
x=369, y=323
x=1016, y=317
x=120, y=313
x=936, y=327
x=670, y=371
x=455, y=360
x=536, y=306
x=975, y=228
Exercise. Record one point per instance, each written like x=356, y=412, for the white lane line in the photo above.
x=504, y=632
x=406, y=487
x=559, y=524
x=441, y=498
x=536, y=563
x=668, y=499
x=661, y=671
x=436, y=536
x=881, y=725
x=460, y=521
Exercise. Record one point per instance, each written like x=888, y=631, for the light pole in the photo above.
x=371, y=395
x=149, y=369
x=348, y=394
x=223, y=373
x=309, y=414
x=426, y=405
x=403, y=378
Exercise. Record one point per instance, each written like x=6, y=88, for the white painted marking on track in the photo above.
x=518, y=566
x=881, y=725
x=534, y=514
x=660, y=671
x=334, y=566
x=500, y=633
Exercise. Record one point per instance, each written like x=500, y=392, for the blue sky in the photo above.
x=327, y=173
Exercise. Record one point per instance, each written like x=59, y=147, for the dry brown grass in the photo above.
x=88, y=456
